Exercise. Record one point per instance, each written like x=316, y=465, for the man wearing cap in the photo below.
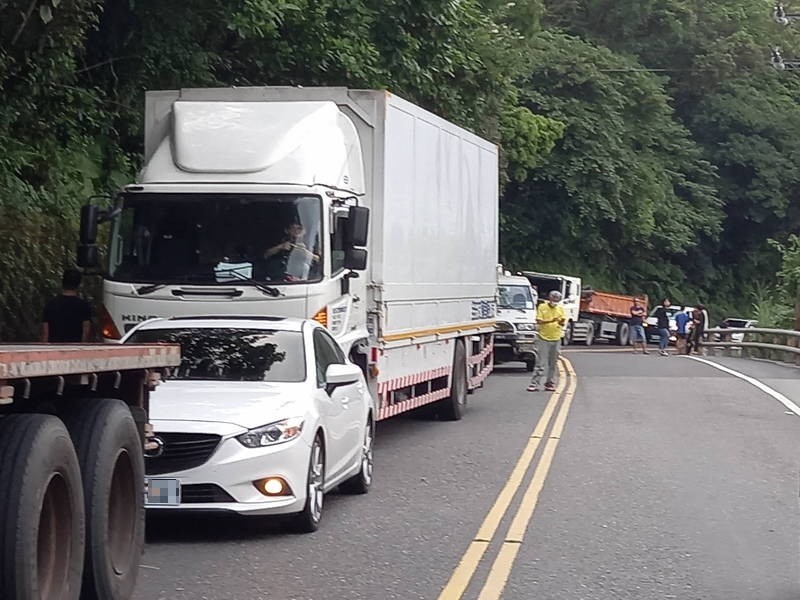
x=551, y=318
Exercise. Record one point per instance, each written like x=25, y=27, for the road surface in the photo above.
x=643, y=477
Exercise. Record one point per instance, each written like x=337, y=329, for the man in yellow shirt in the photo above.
x=551, y=318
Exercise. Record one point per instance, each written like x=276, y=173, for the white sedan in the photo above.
x=263, y=417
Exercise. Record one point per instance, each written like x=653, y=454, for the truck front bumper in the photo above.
x=508, y=346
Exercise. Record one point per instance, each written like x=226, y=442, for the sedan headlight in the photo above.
x=526, y=327
x=274, y=433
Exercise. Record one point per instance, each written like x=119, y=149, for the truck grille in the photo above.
x=182, y=451
x=201, y=493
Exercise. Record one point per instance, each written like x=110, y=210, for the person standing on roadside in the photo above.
x=67, y=318
x=700, y=319
x=682, y=319
x=662, y=324
x=551, y=318
x=637, y=324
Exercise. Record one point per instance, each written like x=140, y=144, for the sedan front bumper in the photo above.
x=226, y=481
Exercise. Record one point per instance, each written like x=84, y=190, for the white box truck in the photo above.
x=257, y=201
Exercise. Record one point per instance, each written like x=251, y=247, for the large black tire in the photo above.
x=41, y=510
x=308, y=520
x=452, y=408
x=112, y=462
x=361, y=481
x=623, y=334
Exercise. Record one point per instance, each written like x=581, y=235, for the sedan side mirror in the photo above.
x=338, y=375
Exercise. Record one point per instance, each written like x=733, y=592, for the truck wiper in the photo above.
x=268, y=290
x=508, y=306
x=149, y=289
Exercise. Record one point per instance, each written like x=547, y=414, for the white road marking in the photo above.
x=752, y=381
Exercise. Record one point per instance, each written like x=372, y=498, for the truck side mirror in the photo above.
x=357, y=226
x=88, y=256
x=355, y=259
x=90, y=216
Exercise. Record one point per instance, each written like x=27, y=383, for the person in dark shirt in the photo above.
x=662, y=318
x=699, y=319
x=637, y=325
x=278, y=256
x=67, y=317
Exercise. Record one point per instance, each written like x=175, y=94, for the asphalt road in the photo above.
x=665, y=478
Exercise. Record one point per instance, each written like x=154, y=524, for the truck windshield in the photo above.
x=515, y=296
x=227, y=354
x=217, y=238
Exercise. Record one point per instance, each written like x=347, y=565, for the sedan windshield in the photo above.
x=225, y=354
x=217, y=238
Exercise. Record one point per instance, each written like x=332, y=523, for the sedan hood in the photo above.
x=246, y=404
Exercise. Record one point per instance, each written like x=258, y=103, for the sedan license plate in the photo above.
x=162, y=492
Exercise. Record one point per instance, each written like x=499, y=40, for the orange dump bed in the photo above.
x=604, y=303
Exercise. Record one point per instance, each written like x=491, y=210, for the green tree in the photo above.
x=626, y=192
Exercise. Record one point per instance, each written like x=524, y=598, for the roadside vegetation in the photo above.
x=648, y=146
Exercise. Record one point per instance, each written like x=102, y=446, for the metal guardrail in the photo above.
x=782, y=345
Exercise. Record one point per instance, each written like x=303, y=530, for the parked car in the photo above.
x=262, y=417
x=735, y=323
x=652, y=330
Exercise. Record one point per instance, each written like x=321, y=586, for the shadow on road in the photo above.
x=180, y=528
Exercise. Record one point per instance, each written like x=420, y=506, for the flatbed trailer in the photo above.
x=73, y=423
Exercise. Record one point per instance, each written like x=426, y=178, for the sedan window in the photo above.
x=227, y=354
x=327, y=352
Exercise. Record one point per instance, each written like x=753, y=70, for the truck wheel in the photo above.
x=112, y=462
x=452, y=407
x=41, y=510
x=623, y=334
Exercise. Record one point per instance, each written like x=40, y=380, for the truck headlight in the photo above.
x=274, y=433
x=526, y=327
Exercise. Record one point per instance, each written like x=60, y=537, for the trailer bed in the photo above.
x=47, y=360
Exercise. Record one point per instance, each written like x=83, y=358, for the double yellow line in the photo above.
x=501, y=568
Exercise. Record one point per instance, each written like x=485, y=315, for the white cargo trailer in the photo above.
x=234, y=178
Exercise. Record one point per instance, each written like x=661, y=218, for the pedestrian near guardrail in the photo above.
x=662, y=324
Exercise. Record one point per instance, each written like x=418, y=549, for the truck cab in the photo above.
x=570, y=288
x=515, y=335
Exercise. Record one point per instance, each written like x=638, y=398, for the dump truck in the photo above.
x=73, y=423
x=591, y=314
x=606, y=316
